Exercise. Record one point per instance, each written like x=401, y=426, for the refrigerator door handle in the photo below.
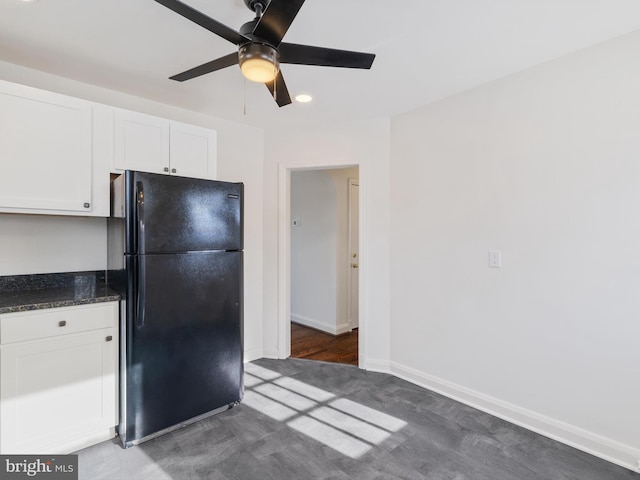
x=140, y=216
x=140, y=301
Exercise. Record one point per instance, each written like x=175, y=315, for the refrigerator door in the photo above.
x=167, y=214
x=183, y=340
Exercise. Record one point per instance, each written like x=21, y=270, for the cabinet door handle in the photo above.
x=87, y=205
x=109, y=338
x=166, y=169
x=173, y=170
x=62, y=323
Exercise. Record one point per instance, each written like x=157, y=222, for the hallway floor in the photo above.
x=313, y=344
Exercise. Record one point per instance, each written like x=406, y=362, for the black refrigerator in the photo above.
x=175, y=256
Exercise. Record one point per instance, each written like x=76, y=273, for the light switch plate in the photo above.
x=495, y=258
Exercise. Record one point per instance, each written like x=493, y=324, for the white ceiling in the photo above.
x=425, y=49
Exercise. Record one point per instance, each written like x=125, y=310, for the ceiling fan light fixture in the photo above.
x=258, y=62
x=259, y=43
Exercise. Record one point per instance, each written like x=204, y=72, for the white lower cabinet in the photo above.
x=58, y=391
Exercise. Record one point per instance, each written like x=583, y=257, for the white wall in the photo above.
x=240, y=159
x=364, y=144
x=545, y=166
x=47, y=243
x=80, y=243
x=319, y=257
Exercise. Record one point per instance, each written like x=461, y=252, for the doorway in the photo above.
x=324, y=264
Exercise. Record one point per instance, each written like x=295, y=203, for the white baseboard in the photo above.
x=74, y=445
x=589, y=442
x=342, y=328
x=320, y=325
x=376, y=365
x=270, y=352
x=252, y=354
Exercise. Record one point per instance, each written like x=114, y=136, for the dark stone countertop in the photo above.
x=21, y=293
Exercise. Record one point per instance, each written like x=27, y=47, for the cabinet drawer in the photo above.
x=22, y=326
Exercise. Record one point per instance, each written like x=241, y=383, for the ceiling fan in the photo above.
x=260, y=46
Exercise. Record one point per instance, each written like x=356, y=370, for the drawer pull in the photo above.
x=62, y=323
x=109, y=338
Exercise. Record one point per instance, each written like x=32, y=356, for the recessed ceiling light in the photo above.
x=29, y=1
x=303, y=98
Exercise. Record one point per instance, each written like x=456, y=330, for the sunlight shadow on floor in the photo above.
x=339, y=423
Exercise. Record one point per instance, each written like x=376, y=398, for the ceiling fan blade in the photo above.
x=324, y=57
x=276, y=20
x=212, y=66
x=282, y=96
x=204, y=21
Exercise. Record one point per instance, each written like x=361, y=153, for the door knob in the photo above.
x=354, y=265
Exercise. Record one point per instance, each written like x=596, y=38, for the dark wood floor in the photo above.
x=316, y=345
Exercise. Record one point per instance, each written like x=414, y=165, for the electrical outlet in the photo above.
x=495, y=258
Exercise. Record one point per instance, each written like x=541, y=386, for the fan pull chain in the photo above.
x=275, y=81
x=244, y=91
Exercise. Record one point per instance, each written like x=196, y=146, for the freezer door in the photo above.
x=167, y=214
x=183, y=340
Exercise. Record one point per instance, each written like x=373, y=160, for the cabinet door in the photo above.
x=141, y=142
x=56, y=391
x=193, y=151
x=45, y=151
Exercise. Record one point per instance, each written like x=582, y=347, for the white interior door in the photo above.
x=354, y=253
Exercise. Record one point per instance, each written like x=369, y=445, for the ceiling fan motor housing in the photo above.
x=247, y=28
x=251, y=4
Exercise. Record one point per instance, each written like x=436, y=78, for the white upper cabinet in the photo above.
x=157, y=145
x=141, y=142
x=193, y=151
x=45, y=152
x=56, y=151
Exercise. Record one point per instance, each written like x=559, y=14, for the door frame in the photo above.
x=284, y=252
x=352, y=182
